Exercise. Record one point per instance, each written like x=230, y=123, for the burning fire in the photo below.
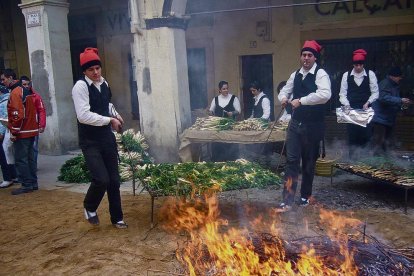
x=214, y=248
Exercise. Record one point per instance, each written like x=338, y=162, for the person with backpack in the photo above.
x=359, y=89
x=40, y=110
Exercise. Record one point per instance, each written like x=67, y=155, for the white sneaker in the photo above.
x=6, y=184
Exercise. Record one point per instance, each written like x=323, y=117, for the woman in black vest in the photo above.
x=359, y=89
x=224, y=105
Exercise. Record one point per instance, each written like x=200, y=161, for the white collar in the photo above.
x=89, y=81
x=259, y=96
x=312, y=70
x=363, y=73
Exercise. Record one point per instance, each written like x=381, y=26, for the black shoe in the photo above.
x=20, y=191
x=120, y=225
x=35, y=188
x=92, y=217
x=303, y=202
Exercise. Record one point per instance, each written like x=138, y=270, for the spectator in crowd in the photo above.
x=40, y=110
x=8, y=170
x=386, y=109
x=359, y=89
x=24, y=127
x=311, y=89
x=96, y=119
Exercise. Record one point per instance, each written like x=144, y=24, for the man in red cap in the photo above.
x=96, y=118
x=359, y=89
x=311, y=89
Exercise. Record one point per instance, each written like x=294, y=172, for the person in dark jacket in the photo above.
x=97, y=118
x=386, y=108
x=228, y=106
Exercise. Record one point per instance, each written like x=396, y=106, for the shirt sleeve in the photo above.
x=343, y=93
x=80, y=96
x=15, y=111
x=323, y=90
x=287, y=90
x=213, y=105
x=266, y=108
x=236, y=105
x=373, y=85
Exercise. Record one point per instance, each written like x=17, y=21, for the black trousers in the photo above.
x=102, y=162
x=8, y=170
x=381, y=138
x=302, y=144
x=358, y=139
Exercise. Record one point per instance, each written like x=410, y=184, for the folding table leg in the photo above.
x=152, y=212
x=331, y=175
x=406, y=201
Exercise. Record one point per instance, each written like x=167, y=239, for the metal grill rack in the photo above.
x=406, y=187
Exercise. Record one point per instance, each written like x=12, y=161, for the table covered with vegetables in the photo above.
x=226, y=130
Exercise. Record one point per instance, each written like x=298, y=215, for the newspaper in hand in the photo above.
x=358, y=117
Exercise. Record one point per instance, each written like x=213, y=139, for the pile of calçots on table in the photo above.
x=174, y=179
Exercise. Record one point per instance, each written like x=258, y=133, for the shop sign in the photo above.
x=344, y=10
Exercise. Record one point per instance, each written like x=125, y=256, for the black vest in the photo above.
x=358, y=95
x=258, y=109
x=219, y=111
x=302, y=88
x=99, y=103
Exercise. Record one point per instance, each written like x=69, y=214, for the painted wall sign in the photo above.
x=356, y=9
x=33, y=19
x=113, y=22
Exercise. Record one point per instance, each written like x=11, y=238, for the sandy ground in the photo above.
x=45, y=233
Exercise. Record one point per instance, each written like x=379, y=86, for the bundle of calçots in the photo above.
x=197, y=178
x=132, y=150
x=251, y=124
x=213, y=123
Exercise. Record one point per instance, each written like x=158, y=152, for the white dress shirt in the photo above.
x=320, y=96
x=223, y=101
x=265, y=105
x=80, y=96
x=358, y=78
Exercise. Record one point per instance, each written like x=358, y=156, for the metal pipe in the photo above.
x=273, y=7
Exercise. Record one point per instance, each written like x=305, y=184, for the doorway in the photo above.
x=197, y=77
x=257, y=68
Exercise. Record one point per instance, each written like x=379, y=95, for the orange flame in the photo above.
x=288, y=185
x=211, y=250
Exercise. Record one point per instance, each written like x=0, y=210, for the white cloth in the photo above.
x=80, y=96
x=358, y=78
x=223, y=101
x=265, y=105
x=8, y=148
x=320, y=96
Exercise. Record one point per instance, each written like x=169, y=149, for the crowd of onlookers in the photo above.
x=23, y=117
